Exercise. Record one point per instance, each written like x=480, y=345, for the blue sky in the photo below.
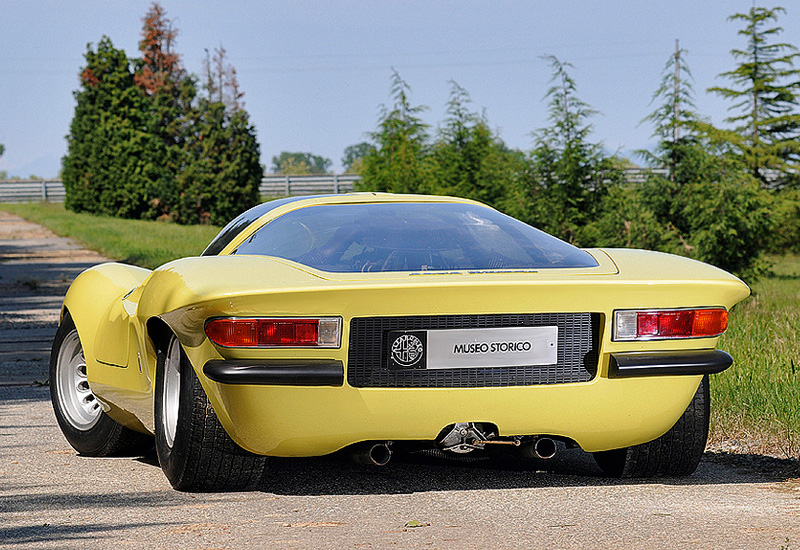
x=316, y=73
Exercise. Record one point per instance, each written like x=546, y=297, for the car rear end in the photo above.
x=517, y=354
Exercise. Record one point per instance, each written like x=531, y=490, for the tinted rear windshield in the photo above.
x=230, y=231
x=351, y=238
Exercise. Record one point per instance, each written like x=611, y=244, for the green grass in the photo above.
x=144, y=243
x=755, y=403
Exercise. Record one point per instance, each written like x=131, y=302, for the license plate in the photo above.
x=474, y=348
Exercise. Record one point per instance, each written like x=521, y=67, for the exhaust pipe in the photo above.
x=373, y=454
x=542, y=447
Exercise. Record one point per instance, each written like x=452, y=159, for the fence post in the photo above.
x=336, y=184
x=44, y=191
x=288, y=188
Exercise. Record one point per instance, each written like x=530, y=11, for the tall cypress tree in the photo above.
x=169, y=91
x=108, y=165
x=142, y=145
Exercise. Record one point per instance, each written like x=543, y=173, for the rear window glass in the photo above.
x=348, y=238
x=230, y=231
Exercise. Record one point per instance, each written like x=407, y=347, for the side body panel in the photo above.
x=110, y=337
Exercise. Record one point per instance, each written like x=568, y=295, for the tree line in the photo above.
x=149, y=140
x=731, y=195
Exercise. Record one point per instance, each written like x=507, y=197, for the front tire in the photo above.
x=80, y=415
x=677, y=453
x=195, y=452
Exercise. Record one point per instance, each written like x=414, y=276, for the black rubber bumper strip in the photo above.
x=276, y=373
x=645, y=363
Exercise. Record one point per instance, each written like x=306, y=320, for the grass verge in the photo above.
x=755, y=404
x=144, y=243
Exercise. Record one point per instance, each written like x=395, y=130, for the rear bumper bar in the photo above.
x=331, y=373
x=276, y=373
x=685, y=362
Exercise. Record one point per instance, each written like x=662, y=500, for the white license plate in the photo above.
x=492, y=347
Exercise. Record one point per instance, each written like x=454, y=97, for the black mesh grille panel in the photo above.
x=578, y=341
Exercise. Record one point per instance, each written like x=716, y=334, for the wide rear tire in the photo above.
x=677, y=453
x=195, y=452
x=80, y=415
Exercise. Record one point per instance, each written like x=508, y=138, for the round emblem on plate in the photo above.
x=407, y=350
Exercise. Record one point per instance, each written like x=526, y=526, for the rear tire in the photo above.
x=677, y=453
x=195, y=452
x=80, y=415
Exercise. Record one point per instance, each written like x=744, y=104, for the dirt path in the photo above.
x=52, y=498
x=36, y=267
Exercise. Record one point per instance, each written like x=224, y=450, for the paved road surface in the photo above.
x=52, y=498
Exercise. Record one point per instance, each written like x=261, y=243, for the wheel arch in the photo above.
x=159, y=333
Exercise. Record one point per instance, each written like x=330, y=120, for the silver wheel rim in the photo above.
x=170, y=397
x=77, y=401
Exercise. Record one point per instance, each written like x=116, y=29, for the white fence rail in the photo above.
x=271, y=186
x=285, y=186
x=32, y=191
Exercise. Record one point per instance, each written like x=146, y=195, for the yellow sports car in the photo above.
x=383, y=323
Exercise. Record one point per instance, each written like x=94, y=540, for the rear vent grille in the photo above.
x=368, y=357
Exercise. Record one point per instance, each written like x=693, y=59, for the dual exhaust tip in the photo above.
x=379, y=454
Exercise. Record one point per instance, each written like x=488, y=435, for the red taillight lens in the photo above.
x=663, y=324
x=249, y=333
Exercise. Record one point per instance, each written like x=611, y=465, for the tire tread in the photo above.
x=212, y=461
x=677, y=453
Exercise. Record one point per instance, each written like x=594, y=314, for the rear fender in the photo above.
x=95, y=302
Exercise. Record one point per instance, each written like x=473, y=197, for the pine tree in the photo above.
x=675, y=114
x=677, y=126
x=709, y=208
x=764, y=87
x=468, y=159
x=398, y=163
x=571, y=173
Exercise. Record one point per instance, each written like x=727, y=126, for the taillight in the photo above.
x=669, y=323
x=232, y=332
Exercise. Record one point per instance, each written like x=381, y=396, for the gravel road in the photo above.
x=52, y=498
